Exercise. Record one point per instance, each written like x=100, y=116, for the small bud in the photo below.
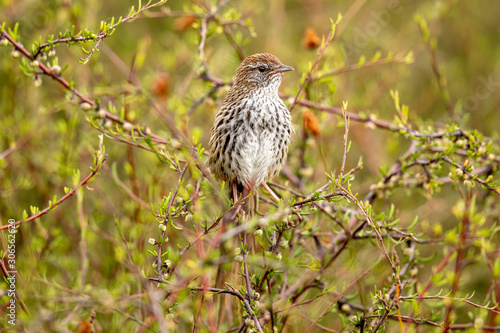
x=152, y=241
x=34, y=63
x=306, y=172
x=279, y=256
x=170, y=317
x=166, y=276
x=188, y=217
x=249, y=322
x=101, y=113
x=370, y=124
x=52, y=53
x=108, y=124
x=4, y=42
x=478, y=323
x=238, y=258
x=85, y=106
x=15, y=53
x=258, y=232
x=256, y=296
x=184, y=22
x=147, y=131
x=37, y=81
x=237, y=251
x=210, y=103
x=346, y=308
x=162, y=227
x=491, y=157
x=127, y=126
x=56, y=70
x=167, y=263
x=459, y=172
x=154, y=265
x=408, y=251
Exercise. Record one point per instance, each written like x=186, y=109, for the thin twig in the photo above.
x=367, y=64
x=167, y=217
x=82, y=99
x=319, y=54
x=346, y=134
x=441, y=81
x=470, y=175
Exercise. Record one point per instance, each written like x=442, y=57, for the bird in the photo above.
x=252, y=129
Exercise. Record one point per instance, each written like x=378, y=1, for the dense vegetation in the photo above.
x=390, y=199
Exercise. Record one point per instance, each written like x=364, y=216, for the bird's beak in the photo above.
x=284, y=68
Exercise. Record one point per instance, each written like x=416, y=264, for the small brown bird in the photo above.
x=251, y=132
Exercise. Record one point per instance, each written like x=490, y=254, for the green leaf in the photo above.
x=174, y=226
x=131, y=11
x=415, y=220
x=391, y=212
x=361, y=61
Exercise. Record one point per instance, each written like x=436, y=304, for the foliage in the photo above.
x=388, y=212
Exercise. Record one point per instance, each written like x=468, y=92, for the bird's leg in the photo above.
x=239, y=201
x=246, y=192
x=271, y=192
x=235, y=192
x=245, y=196
x=236, y=207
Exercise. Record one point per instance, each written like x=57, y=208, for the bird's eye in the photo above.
x=261, y=69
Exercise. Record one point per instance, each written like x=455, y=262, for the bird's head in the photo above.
x=262, y=70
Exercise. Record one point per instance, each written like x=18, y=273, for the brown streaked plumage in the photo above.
x=251, y=132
